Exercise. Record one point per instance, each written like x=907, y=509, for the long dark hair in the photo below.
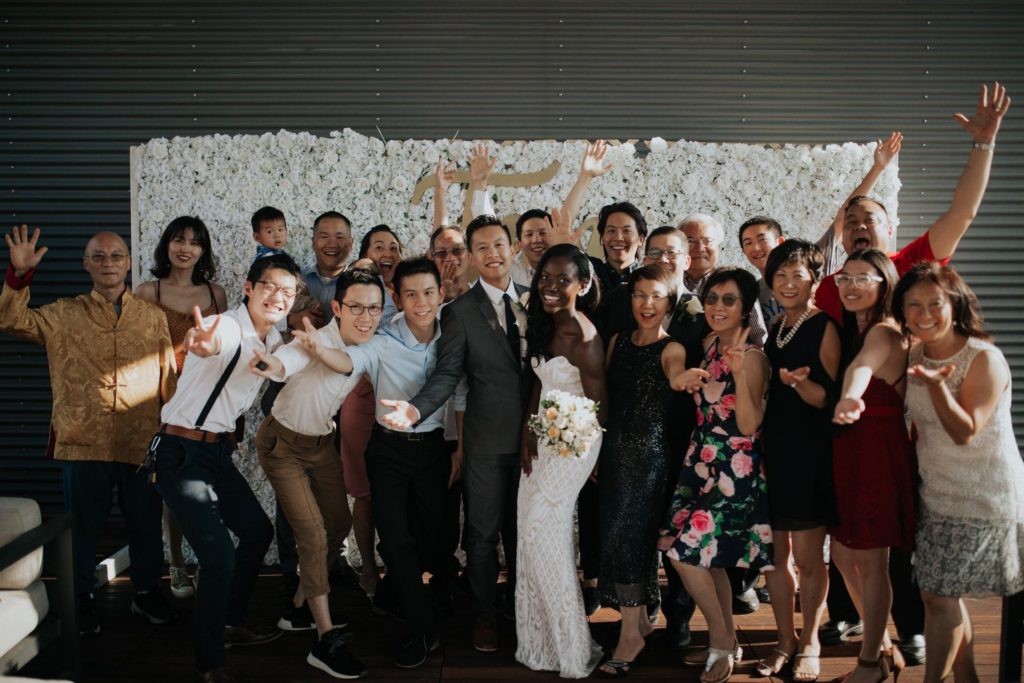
x=540, y=327
x=967, y=318
x=204, y=270
x=853, y=336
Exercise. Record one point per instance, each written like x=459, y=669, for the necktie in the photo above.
x=511, y=327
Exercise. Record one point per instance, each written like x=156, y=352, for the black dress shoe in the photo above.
x=591, y=600
x=415, y=652
x=837, y=631
x=677, y=635
x=913, y=650
x=239, y=636
x=745, y=603
x=763, y=595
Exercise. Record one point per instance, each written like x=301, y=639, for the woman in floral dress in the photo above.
x=718, y=517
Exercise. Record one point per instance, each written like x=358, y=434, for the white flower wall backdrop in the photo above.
x=224, y=179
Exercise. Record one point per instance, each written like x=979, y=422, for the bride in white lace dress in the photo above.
x=565, y=353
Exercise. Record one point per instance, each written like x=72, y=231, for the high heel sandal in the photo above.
x=894, y=662
x=887, y=662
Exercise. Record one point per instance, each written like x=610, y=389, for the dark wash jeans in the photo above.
x=88, y=495
x=208, y=498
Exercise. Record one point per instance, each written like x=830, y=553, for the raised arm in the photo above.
x=592, y=166
x=16, y=317
x=983, y=384
x=983, y=127
x=885, y=153
x=443, y=176
x=481, y=163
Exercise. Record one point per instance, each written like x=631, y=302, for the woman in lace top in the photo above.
x=970, y=535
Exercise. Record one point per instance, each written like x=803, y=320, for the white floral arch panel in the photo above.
x=224, y=179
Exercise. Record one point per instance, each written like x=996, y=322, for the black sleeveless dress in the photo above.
x=634, y=471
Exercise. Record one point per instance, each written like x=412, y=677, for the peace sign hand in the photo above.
x=309, y=338
x=984, y=124
x=24, y=255
x=733, y=352
x=266, y=365
x=202, y=341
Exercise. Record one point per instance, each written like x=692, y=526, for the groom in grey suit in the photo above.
x=481, y=334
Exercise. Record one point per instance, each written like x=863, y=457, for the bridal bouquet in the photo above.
x=566, y=423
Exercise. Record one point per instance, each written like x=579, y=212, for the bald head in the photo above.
x=107, y=242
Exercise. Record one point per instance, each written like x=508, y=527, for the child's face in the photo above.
x=419, y=296
x=272, y=234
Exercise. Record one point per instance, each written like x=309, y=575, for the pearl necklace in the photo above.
x=781, y=341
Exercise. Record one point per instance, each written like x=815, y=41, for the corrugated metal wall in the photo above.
x=83, y=81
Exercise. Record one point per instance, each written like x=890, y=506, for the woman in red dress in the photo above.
x=873, y=458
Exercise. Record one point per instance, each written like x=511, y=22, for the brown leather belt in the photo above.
x=194, y=434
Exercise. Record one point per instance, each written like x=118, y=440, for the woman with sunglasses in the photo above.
x=718, y=517
x=803, y=350
x=873, y=458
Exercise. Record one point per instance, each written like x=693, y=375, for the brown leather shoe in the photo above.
x=485, y=634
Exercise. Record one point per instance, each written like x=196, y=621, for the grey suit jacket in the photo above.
x=473, y=342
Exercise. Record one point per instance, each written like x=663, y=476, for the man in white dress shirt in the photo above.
x=190, y=459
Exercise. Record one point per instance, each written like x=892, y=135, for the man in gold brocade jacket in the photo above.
x=111, y=370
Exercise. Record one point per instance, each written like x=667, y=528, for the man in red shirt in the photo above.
x=866, y=224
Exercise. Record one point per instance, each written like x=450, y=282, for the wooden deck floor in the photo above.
x=130, y=650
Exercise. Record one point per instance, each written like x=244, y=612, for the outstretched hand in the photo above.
x=561, y=227
x=593, y=164
x=794, y=377
x=848, y=411
x=202, y=341
x=984, y=124
x=928, y=375
x=480, y=165
x=886, y=151
x=403, y=415
x=24, y=255
x=691, y=380
x=266, y=365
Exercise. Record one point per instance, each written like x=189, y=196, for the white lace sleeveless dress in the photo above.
x=970, y=534
x=551, y=624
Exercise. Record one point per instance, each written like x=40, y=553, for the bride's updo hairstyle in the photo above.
x=540, y=327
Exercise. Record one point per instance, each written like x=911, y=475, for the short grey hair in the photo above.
x=708, y=220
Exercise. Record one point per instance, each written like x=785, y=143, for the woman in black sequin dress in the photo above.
x=634, y=464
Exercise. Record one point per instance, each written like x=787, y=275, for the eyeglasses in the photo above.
x=728, y=300
x=115, y=258
x=656, y=254
x=454, y=251
x=272, y=289
x=374, y=310
x=864, y=280
x=654, y=298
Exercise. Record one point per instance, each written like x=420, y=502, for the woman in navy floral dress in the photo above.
x=718, y=517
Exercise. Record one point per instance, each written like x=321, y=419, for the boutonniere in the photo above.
x=693, y=308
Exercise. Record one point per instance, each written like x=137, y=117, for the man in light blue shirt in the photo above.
x=409, y=469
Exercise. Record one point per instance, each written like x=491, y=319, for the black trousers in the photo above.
x=589, y=519
x=907, y=607
x=452, y=536
x=490, y=485
x=88, y=496
x=408, y=483
x=210, y=498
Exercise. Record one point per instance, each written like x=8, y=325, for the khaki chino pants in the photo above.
x=306, y=474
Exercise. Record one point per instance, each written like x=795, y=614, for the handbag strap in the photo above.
x=218, y=388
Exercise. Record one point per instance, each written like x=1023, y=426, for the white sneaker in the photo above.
x=181, y=584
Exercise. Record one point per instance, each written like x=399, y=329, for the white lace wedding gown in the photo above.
x=551, y=624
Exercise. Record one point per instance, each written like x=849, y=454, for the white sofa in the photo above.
x=28, y=624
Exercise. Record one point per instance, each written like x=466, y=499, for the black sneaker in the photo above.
x=239, y=636
x=415, y=652
x=298, y=619
x=88, y=622
x=153, y=606
x=332, y=657
x=837, y=631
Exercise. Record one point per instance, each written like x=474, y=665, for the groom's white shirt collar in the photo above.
x=495, y=294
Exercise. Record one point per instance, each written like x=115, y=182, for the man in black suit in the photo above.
x=482, y=335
